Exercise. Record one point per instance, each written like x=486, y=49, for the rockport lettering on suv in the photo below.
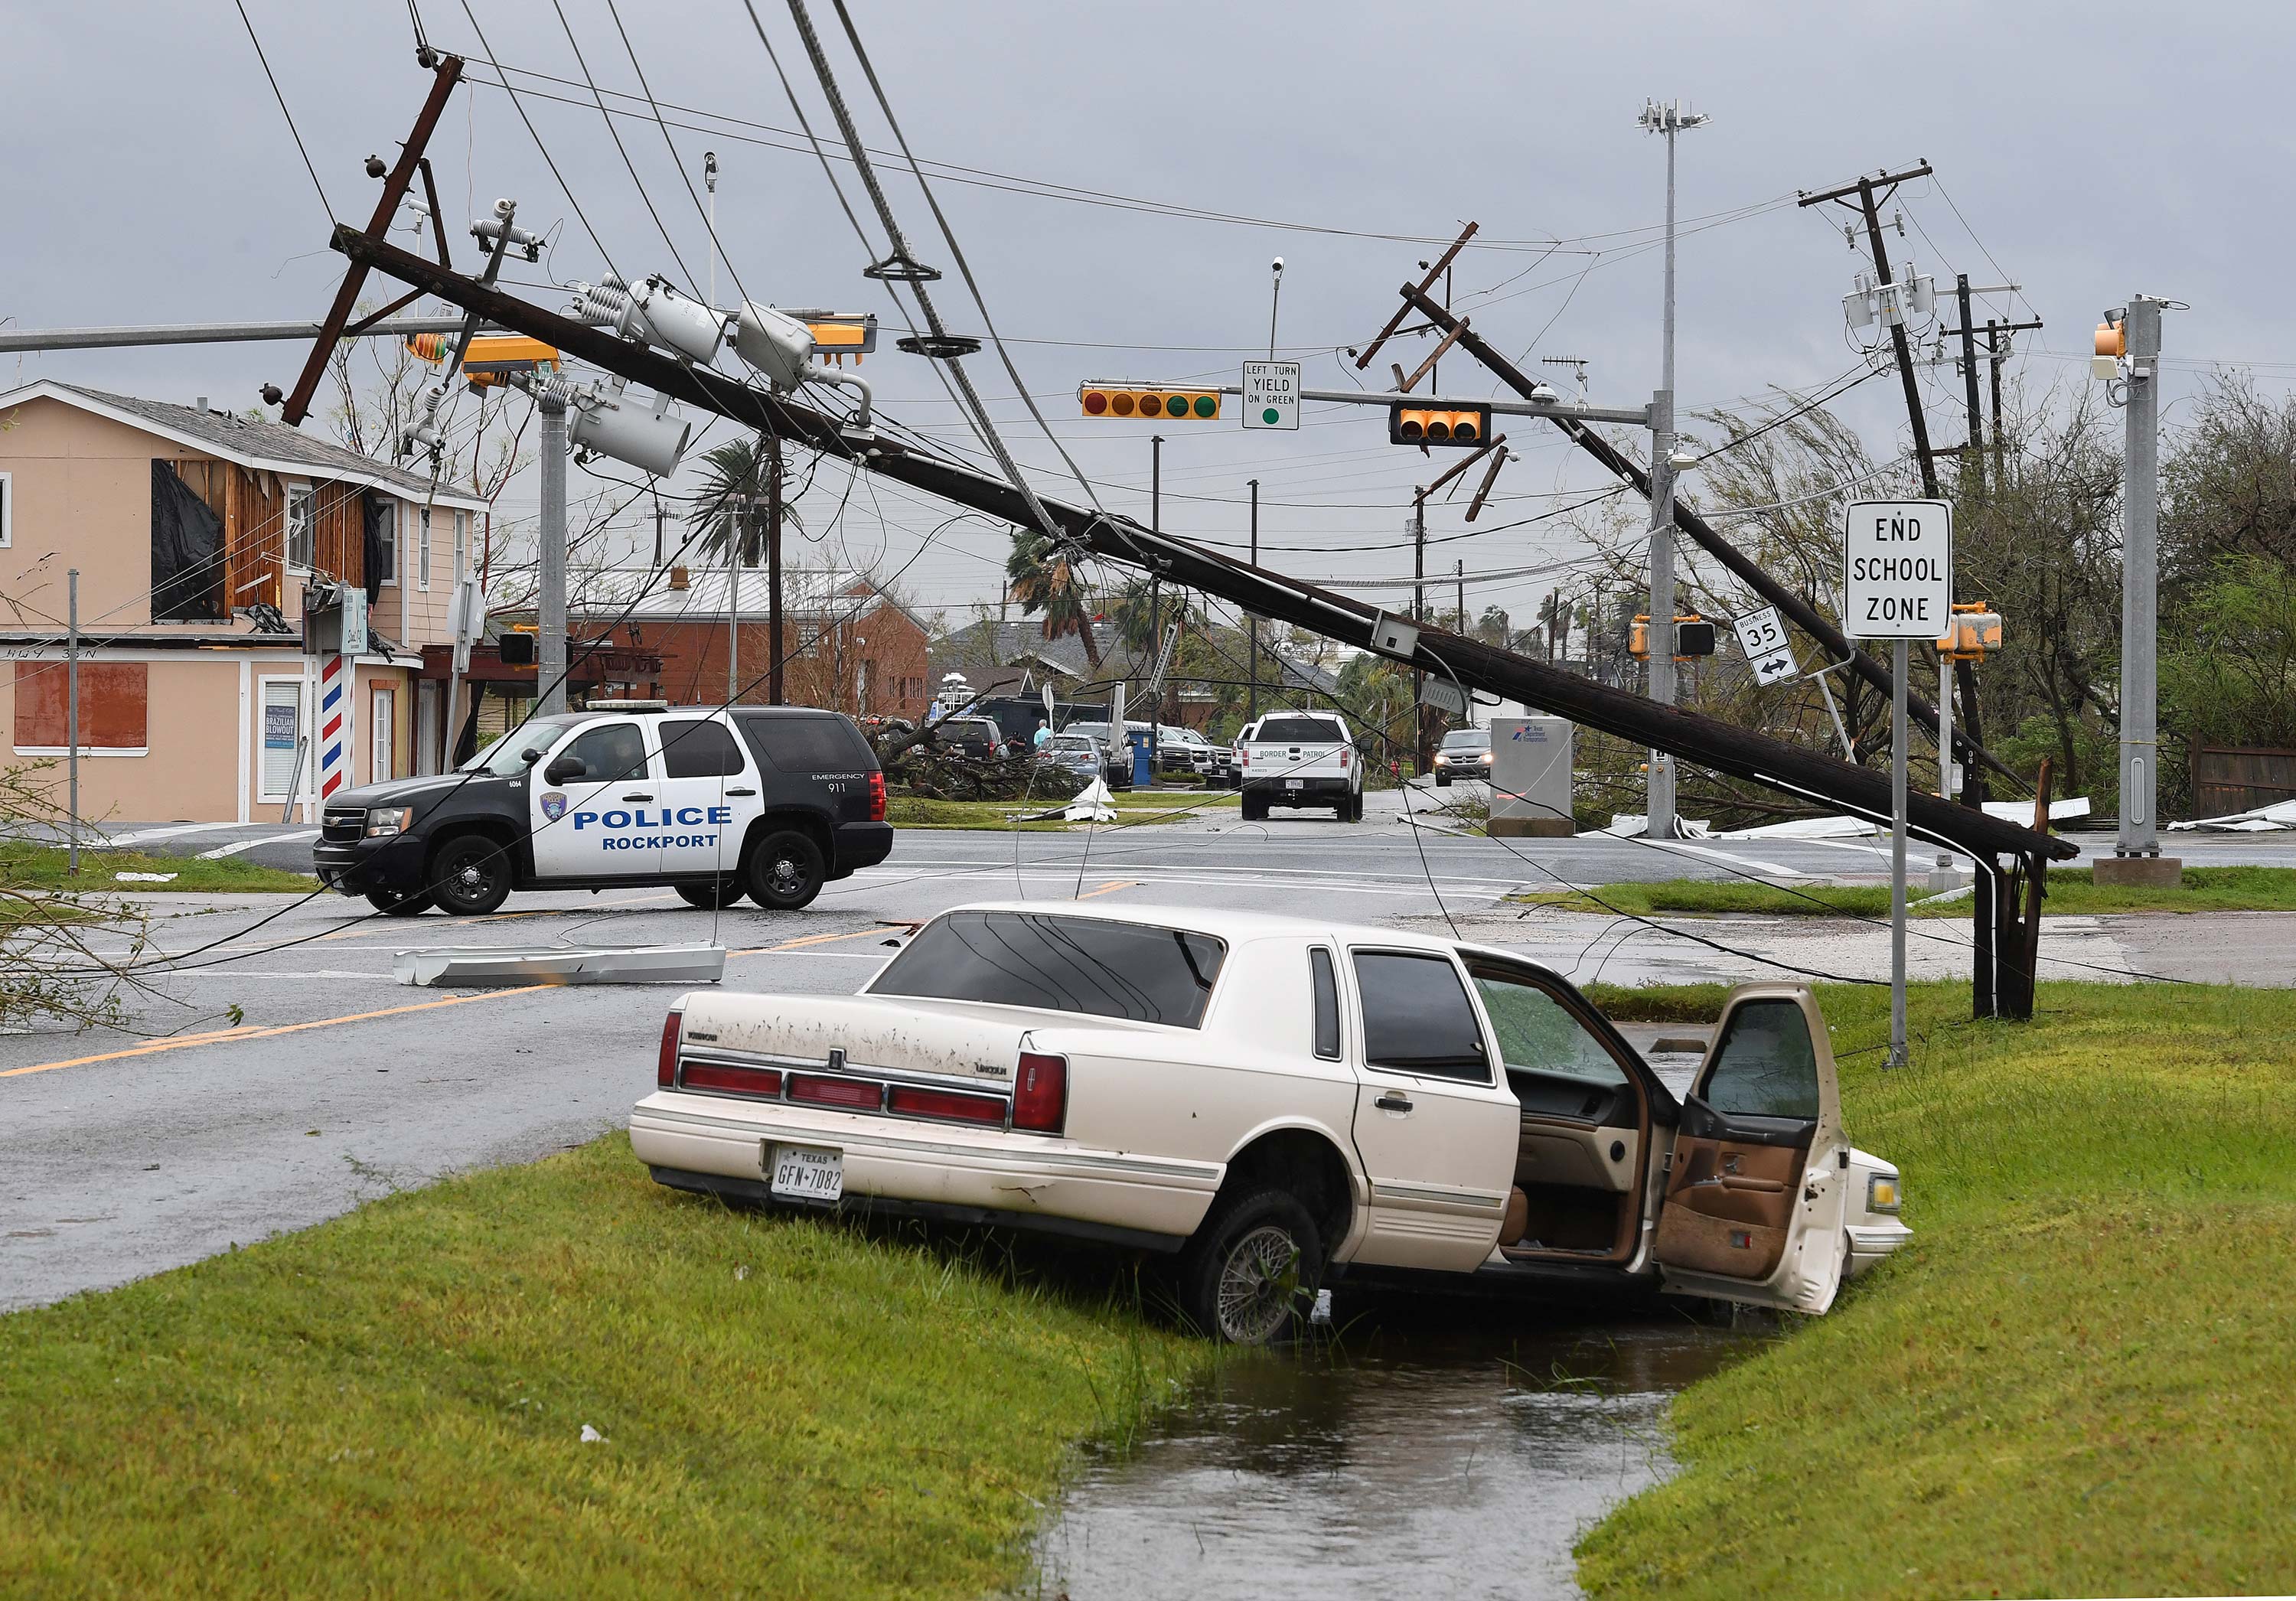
x=770, y=802
x=1275, y=1102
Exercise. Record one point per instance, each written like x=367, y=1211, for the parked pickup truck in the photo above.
x=1300, y=759
x=1275, y=1102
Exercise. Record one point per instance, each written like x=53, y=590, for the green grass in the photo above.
x=392, y=1404
x=2070, y=890
x=2075, y=1380
x=44, y=867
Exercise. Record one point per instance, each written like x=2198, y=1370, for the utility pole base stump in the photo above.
x=1532, y=828
x=2139, y=872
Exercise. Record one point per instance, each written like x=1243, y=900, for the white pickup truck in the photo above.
x=1277, y=1102
x=1300, y=759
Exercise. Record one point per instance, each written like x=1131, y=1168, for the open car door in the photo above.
x=1753, y=1205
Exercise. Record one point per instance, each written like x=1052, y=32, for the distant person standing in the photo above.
x=1044, y=733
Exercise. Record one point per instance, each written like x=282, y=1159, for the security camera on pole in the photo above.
x=1897, y=584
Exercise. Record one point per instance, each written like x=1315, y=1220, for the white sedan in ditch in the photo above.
x=1278, y=1102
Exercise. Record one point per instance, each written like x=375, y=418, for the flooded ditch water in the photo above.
x=1433, y=1455
x=1434, y=1448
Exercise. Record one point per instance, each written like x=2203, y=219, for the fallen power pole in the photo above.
x=14, y=339
x=1710, y=742
x=1803, y=615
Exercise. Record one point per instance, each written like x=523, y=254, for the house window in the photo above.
x=7, y=510
x=280, y=740
x=300, y=532
x=461, y=545
x=387, y=533
x=423, y=551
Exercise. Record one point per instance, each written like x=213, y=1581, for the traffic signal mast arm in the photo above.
x=1710, y=743
x=1803, y=615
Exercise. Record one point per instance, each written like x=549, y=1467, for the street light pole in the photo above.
x=1668, y=120
x=550, y=602
x=1251, y=702
x=2140, y=599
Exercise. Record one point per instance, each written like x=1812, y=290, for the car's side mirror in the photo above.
x=566, y=769
x=530, y=757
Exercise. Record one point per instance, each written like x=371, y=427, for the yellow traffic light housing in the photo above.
x=491, y=359
x=2112, y=345
x=837, y=334
x=1972, y=633
x=1425, y=425
x=1693, y=637
x=1148, y=402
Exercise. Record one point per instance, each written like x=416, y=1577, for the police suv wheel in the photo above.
x=393, y=903
x=469, y=876
x=785, y=871
x=709, y=898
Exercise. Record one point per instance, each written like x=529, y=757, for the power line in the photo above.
x=283, y=112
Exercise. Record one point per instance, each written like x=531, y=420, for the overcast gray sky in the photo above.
x=2084, y=151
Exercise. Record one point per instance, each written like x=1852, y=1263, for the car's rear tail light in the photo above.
x=1040, y=1093
x=940, y=1103
x=739, y=1080
x=1343, y=759
x=877, y=796
x=859, y=1094
x=1243, y=758
x=665, y=1062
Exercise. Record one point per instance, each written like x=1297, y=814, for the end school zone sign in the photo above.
x=1897, y=569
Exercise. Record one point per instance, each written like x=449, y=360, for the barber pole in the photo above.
x=334, y=725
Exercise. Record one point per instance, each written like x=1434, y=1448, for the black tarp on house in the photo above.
x=378, y=512
x=187, y=566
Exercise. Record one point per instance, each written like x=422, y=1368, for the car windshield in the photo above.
x=1088, y=965
x=1070, y=744
x=1465, y=739
x=507, y=757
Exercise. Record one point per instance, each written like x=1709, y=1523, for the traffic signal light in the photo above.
x=1156, y=401
x=1428, y=426
x=492, y=356
x=1693, y=636
x=1974, y=630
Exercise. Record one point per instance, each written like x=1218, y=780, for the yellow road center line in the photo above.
x=858, y=933
x=1112, y=885
x=222, y=1034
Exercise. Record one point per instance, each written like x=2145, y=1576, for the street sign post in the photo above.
x=1768, y=653
x=1897, y=584
x=1271, y=394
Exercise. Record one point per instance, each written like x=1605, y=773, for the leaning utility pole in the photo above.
x=1898, y=341
x=745, y=506
x=1658, y=822
x=1420, y=754
x=71, y=717
x=550, y=601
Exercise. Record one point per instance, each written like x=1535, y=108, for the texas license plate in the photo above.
x=808, y=1173
x=1293, y=784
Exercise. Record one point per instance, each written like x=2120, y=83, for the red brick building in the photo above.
x=850, y=648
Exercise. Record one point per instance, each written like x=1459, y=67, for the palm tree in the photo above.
x=737, y=471
x=1042, y=577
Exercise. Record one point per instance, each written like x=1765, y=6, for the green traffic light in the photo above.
x=1176, y=405
x=1206, y=405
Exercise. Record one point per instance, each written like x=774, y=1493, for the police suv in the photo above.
x=770, y=802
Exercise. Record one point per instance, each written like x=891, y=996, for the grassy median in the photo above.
x=394, y=1403
x=2070, y=890
x=2075, y=1380
x=24, y=866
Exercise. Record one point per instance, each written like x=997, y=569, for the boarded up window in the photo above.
x=114, y=697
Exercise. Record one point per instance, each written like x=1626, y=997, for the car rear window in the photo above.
x=1086, y=965
x=825, y=742
x=1416, y=1018
x=1298, y=731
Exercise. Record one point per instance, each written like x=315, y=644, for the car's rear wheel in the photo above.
x=785, y=871
x=398, y=903
x=1250, y=1276
x=1255, y=809
x=710, y=897
x=470, y=875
